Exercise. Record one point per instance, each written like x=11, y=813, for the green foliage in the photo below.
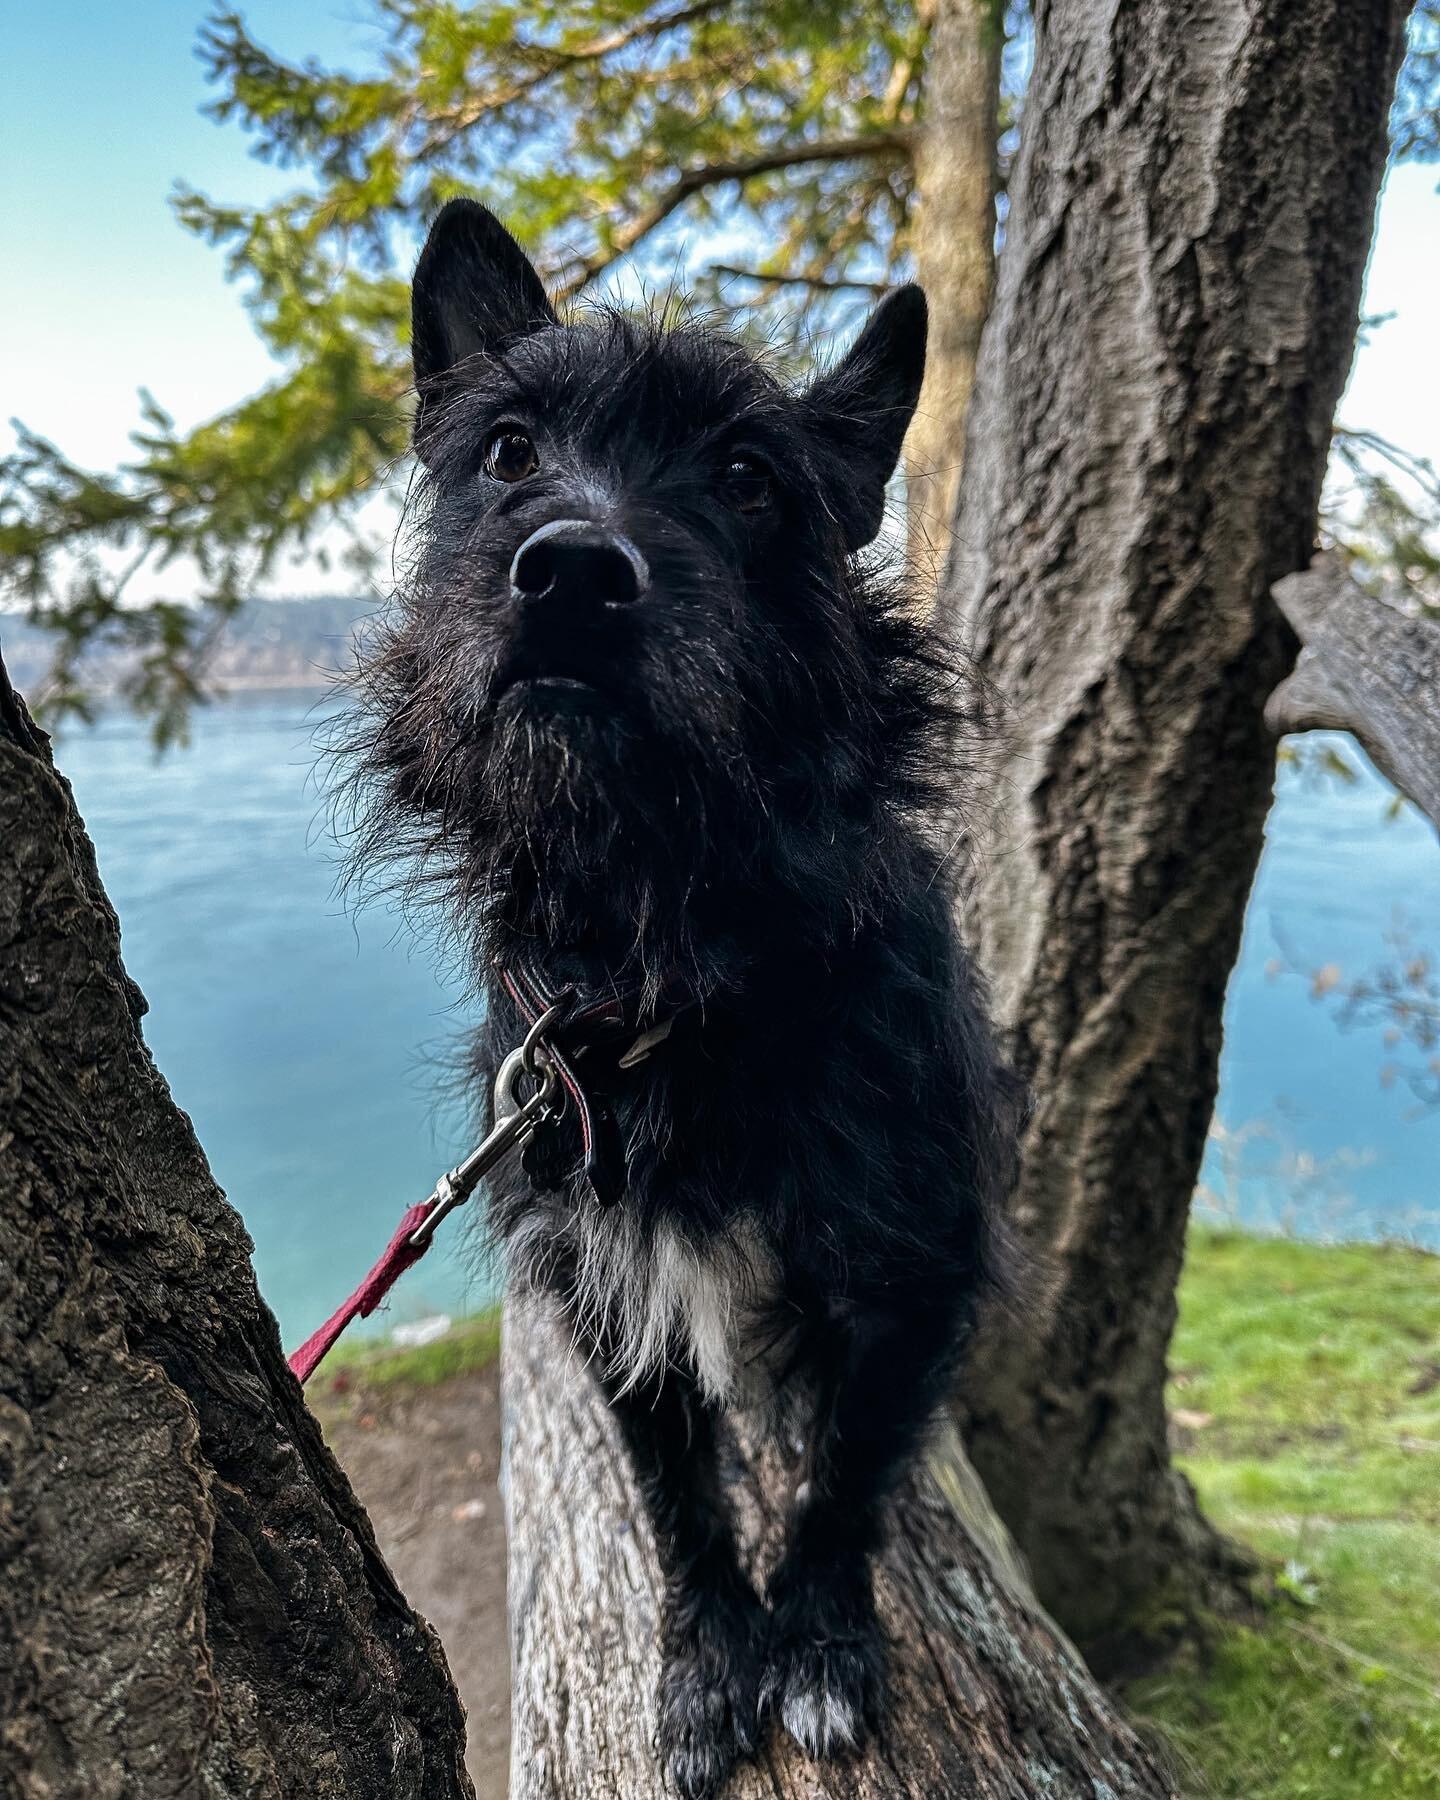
x=231, y=499
x=591, y=127
x=627, y=141
x=586, y=126
x=1384, y=512
x=1385, y=505
x=1306, y=1404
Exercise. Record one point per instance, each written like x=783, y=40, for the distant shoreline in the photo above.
x=268, y=646
x=300, y=681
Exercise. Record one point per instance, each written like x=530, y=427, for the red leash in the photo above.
x=400, y=1254
x=542, y=1061
x=515, y=1121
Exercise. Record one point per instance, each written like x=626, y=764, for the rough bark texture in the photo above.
x=1174, y=319
x=989, y=1698
x=954, y=252
x=1365, y=668
x=191, y=1600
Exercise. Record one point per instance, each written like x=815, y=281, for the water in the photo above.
x=303, y=1041
x=1319, y=1129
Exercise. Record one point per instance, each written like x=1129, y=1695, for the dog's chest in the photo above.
x=648, y=1297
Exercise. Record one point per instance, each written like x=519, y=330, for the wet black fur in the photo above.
x=746, y=822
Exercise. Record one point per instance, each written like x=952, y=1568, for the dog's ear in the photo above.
x=862, y=408
x=474, y=290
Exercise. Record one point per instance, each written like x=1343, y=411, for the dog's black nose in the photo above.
x=580, y=561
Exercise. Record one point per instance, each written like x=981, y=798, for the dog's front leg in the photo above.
x=881, y=1380
x=713, y=1632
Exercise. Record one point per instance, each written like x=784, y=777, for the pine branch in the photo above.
x=557, y=58
x=1419, y=469
x=821, y=284
x=896, y=142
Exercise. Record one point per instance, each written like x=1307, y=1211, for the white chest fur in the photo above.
x=652, y=1297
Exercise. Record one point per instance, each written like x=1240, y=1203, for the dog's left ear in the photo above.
x=474, y=291
x=862, y=408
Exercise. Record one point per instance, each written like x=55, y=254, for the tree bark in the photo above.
x=1365, y=668
x=955, y=180
x=989, y=1699
x=191, y=1599
x=1174, y=319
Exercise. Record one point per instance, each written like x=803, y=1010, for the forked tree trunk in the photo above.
x=191, y=1600
x=1174, y=319
x=990, y=1702
x=954, y=252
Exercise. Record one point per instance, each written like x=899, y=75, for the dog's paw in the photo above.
x=710, y=1704
x=825, y=1676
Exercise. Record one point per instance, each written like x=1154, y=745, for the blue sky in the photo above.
x=104, y=293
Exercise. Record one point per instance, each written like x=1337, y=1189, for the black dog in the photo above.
x=683, y=766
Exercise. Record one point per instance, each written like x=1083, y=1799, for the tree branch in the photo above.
x=896, y=142
x=558, y=58
x=801, y=278
x=904, y=72
x=1418, y=469
x=1365, y=668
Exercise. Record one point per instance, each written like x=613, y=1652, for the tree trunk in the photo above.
x=989, y=1699
x=1175, y=316
x=954, y=252
x=1366, y=668
x=191, y=1599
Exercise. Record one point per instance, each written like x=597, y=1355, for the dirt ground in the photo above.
x=425, y=1462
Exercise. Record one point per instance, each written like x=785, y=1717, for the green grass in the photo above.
x=1307, y=1388
x=1307, y=1384
x=470, y=1345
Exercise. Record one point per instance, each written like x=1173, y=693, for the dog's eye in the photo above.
x=748, y=484
x=511, y=456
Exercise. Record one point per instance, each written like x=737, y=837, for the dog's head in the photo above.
x=635, y=606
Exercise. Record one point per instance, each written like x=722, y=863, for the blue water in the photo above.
x=1318, y=1127
x=302, y=1039
x=307, y=1043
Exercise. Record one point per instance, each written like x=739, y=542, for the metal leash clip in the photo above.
x=516, y=1120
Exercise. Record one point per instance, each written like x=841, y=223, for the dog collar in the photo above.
x=588, y=1039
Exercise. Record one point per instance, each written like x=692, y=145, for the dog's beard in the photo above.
x=585, y=826
x=630, y=753
x=575, y=815
x=572, y=760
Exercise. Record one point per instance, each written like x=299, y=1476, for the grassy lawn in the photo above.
x=362, y=1363
x=1306, y=1398
x=1306, y=1394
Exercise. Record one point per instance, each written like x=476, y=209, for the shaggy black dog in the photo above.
x=686, y=767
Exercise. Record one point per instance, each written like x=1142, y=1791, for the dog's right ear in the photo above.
x=474, y=291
